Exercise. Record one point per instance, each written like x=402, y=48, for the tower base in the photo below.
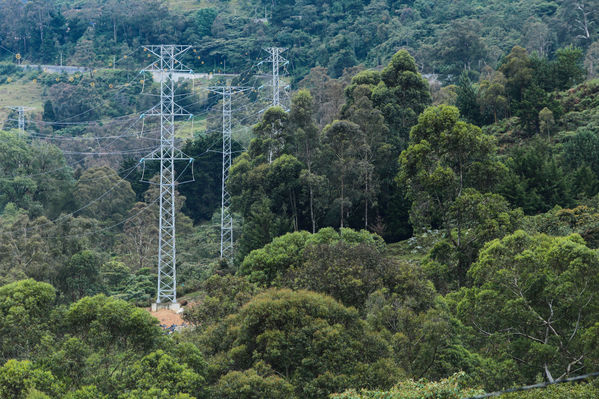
x=174, y=306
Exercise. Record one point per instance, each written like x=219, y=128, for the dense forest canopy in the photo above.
x=419, y=218
x=444, y=36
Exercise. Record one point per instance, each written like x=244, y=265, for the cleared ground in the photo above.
x=20, y=92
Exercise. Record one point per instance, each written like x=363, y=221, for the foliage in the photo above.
x=450, y=388
x=224, y=295
x=445, y=164
x=104, y=183
x=570, y=391
x=532, y=295
x=351, y=264
x=160, y=372
x=19, y=378
x=535, y=180
x=581, y=220
x=463, y=293
x=80, y=276
x=401, y=111
x=312, y=341
x=25, y=314
x=250, y=385
x=35, y=176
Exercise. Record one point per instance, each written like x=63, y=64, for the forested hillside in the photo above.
x=444, y=36
x=419, y=219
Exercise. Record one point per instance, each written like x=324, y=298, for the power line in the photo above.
x=88, y=233
x=125, y=152
x=93, y=122
x=105, y=193
x=113, y=225
x=93, y=138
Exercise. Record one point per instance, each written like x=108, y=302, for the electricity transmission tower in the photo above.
x=166, y=63
x=277, y=62
x=21, y=116
x=226, y=218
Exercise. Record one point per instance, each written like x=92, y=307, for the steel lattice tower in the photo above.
x=277, y=62
x=167, y=154
x=226, y=218
x=21, y=117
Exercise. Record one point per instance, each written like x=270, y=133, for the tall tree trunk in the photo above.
x=293, y=210
x=312, y=208
x=366, y=204
x=310, y=187
x=114, y=29
x=342, y=200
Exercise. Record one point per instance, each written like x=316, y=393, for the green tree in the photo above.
x=532, y=296
x=453, y=387
x=538, y=37
x=569, y=68
x=48, y=111
x=139, y=240
x=268, y=167
x=492, y=97
x=466, y=100
x=518, y=71
x=283, y=183
x=400, y=110
x=570, y=391
x=24, y=247
x=427, y=341
x=272, y=138
x=374, y=154
x=348, y=272
x=102, y=194
x=35, y=176
x=114, y=275
x=260, y=227
x=269, y=263
x=266, y=266
x=341, y=139
x=75, y=103
x=204, y=18
x=19, y=378
x=535, y=181
x=445, y=164
x=546, y=121
x=86, y=392
x=223, y=295
x=327, y=93
x=160, y=371
x=114, y=335
x=80, y=276
x=249, y=384
x=307, y=148
x=591, y=61
x=202, y=199
x=313, y=342
x=25, y=308
x=462, y=47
